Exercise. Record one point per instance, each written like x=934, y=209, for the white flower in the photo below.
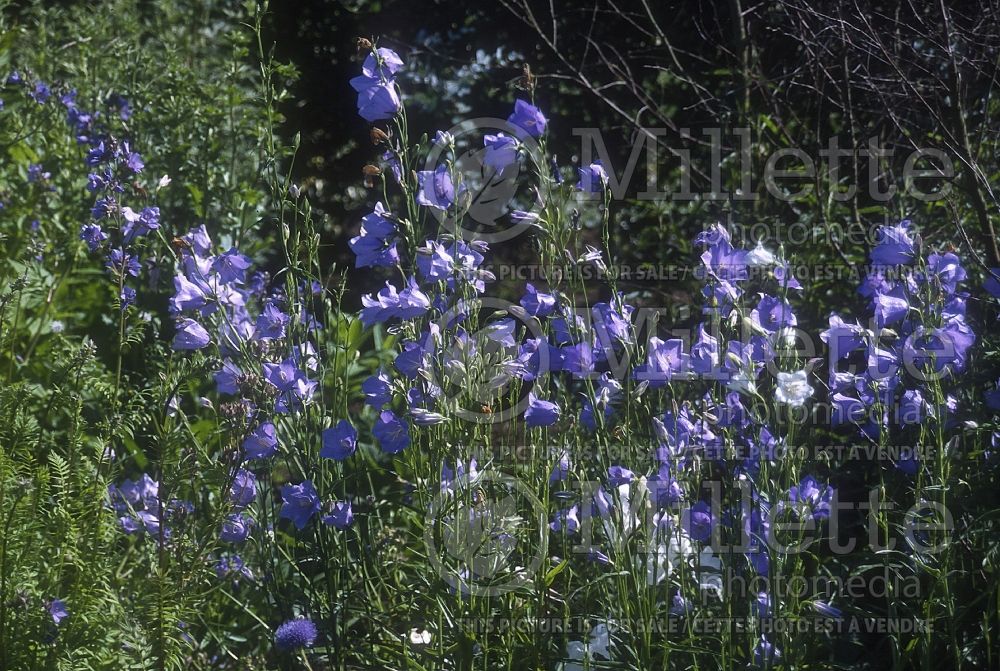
x=57, y=326
x=420, y=637
x=793, y=388
x=164, y=182
x=760, y=256
x=743, y=383
x=600, y=640
x=661, y=565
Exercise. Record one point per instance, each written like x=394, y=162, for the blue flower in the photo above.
x=231, y=266
x=299, y=503
x=391, y=432
x=895, y=246
x=436, y=188
x=501, y=151
x=244, y=488
x=593, y=178
x=384, y=63
x=339, y=442
x=529, y=118
x=271, y=323
x=57, y=610
x=697, y=520
x=235, y=528
x=190, y=335
x=227, y=380
x=295, y=634
x=93, y=236
x=816, y=498
x=376, y=100
x=376, y=390
x=540, y=413
x=373, y=247
x=536, y=303
x=341, y=517
x=261, y=443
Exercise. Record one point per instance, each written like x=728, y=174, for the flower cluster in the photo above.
x=918, y=341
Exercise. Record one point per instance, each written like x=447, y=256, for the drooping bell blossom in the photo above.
x=198, y=238
x=500, y=151
x=720, y=259
x=190, y=335
x=536, y=303
x=299, y=503
x=939, y=348
x=235, y=528
x=912, y=408
x=376, y=390
x=882, y=363
x=846, y=409
x=772, y=314
x=231, y=266
x=766, y=653
x=502, y=332
x=411, y=360
x=793, y=388
x=243, y=490
x=593, y=178
x=842, y=338
x=271, y=323
x=436, y=189
x=372, y=252
x=891, y=307
x=57, y=610
x=697, y=521
x=895, y=245
x=295, y=634
x=664, y=359
x=435, y=262
x=561, y=469
x=523, y=218
x=674, y=430
x=188, y=295
x=341, y=516
x=380, y=308
x=759, y=256
x=528, y=117
x=455, y=479
x=377, y=101
x=612, y=322
x=813, y=495
x=540, y=413
x=391, y=432
x=991, y=283
x=704, y=357
x=947, y=270
x=566, y=519
x=384, y=64
x=262, y=442
x=619, y=475
x=293, y=385
x=578, y=359
x=375, y=246
x=412, y=301
x=340, y=441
